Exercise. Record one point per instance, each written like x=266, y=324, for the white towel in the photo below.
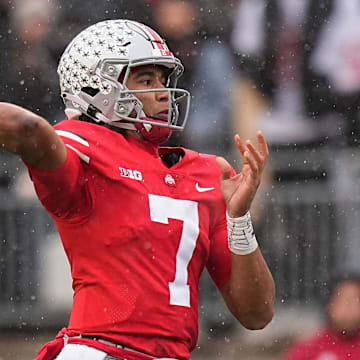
x=80, y=352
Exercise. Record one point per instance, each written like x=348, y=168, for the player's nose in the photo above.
x=162, y=95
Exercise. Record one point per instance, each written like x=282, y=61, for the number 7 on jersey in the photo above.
x=163, y=208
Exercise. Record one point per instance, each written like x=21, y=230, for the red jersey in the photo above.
x=327, y=345
x=137, y=235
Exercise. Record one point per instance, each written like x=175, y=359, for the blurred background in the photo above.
x=290, y=68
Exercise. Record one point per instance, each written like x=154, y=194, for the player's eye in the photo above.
x=145, y=81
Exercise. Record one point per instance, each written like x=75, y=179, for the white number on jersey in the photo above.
x=163, y=208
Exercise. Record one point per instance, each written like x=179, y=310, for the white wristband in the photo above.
x=241, y=237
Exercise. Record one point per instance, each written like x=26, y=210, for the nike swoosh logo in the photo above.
x=203, y=189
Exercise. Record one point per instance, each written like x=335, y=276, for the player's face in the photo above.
x=147, y=77
x=344, y=308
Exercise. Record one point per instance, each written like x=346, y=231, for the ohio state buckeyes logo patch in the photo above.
x=169, y=180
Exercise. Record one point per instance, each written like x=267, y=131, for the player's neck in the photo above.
x=172, y=157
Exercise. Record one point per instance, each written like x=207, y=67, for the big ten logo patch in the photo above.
x=131, y=174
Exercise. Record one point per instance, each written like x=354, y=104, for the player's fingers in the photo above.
x=240, y=145
x=264, y=150
x=251, y=162
x=255, y=153
x=225, y=168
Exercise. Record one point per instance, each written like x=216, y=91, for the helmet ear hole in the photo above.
x=90, y=91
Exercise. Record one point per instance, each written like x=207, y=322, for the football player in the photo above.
x=138, y=222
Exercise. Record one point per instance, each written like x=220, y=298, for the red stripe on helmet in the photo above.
x=159, y=42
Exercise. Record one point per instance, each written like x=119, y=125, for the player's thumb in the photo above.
x=224, y=167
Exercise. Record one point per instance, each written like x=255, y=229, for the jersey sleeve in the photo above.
x=63, y=191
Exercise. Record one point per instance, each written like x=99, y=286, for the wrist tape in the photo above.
x=241, y=236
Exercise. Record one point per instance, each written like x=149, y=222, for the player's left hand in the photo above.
x=239, y=191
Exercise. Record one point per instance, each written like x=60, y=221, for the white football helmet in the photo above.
x=95, y=67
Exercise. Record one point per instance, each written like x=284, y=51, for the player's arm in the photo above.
x=250, y=292
x=31, y=137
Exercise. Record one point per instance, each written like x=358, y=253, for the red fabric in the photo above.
x=123, y=270
x=328, y=345
x=50, y=350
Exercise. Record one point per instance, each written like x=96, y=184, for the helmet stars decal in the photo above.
x=95, y=43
